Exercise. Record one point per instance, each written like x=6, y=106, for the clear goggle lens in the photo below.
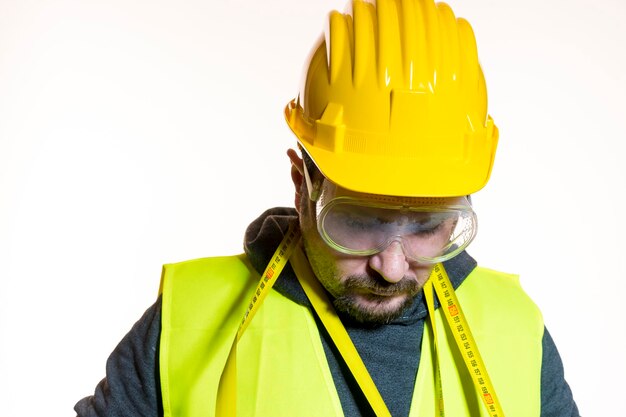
x=431, y=232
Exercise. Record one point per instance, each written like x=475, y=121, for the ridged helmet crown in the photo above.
x=393, y=101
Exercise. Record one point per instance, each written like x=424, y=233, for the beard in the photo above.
x=373, y=301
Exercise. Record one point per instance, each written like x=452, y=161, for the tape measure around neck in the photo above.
x=326, y=312
x=226, y=402
x=463, y=337
x=430, y=304
x=227, y=389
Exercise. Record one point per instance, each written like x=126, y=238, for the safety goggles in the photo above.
x=429, y=230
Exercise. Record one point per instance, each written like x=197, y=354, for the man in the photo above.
x=393, y=128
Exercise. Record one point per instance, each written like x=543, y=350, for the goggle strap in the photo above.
x=314, y=187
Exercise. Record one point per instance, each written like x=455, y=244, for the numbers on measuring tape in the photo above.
x=465, y=341
x=272, y=270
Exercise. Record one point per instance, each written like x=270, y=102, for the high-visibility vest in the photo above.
x=282, y=368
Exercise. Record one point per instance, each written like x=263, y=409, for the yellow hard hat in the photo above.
x=393, y=101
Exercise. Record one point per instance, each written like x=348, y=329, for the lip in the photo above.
x=369, y=291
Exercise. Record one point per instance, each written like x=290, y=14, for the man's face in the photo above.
x=372, y=289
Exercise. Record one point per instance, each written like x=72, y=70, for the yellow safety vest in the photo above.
x=282, y=368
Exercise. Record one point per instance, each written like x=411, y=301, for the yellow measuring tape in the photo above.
x=226, y=405
x=227, y=390
x=464, y=339
x=430, y=303
x=326, y=312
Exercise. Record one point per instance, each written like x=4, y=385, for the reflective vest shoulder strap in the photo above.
x=282, y=368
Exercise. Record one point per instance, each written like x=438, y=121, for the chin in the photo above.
x=371, y=308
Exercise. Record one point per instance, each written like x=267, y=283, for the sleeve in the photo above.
x=556, y=395
x=131, y=387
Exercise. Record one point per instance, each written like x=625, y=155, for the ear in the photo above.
x=297, y=175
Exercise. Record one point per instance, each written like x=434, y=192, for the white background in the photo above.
x=136, y=133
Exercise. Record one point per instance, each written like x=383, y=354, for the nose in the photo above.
x=391, y=263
